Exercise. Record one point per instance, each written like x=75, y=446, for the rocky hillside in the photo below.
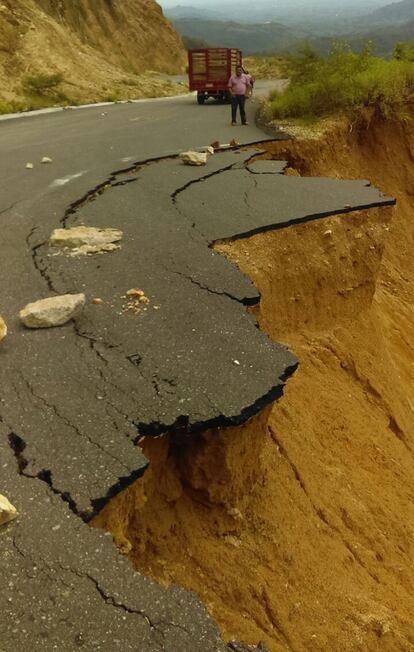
x=99, y=47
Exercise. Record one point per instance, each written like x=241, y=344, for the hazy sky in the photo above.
x=282, y=5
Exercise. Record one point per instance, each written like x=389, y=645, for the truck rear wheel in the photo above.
x=201, y=98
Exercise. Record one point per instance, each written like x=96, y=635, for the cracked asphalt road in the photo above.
x=74, y=400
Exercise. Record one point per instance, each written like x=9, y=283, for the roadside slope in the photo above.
x=101, y=48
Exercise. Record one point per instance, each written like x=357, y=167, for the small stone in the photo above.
x=235, y=513
x=291, y=172
x=3, y=328
x=46, y=159
x=236, y=362
x=208, y=149
x=328, y=233
x=97, y=301
x=215, y=144
x=53, y=311
x=144, y=300
x=193, y=158
x=135, y=292
x=29, y=166
x=7, y=511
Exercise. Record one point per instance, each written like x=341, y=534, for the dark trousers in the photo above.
x=238, y=101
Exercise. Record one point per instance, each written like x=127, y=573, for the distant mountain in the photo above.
x=184, y=11
x=384, y=38
x=252, y=39
x=397, y=12
x=307, y=13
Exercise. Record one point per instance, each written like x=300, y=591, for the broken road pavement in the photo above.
x=75, y=399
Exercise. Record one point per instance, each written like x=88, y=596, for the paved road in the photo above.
x=64, y=586
x=92, y=142
x=75, y=399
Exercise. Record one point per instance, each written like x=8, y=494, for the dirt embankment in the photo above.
x=298, y=528
x=102, y=48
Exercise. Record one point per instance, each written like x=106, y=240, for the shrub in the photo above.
x=404, y=51
x=10, y=107
x=42, y=84
x=342, y=82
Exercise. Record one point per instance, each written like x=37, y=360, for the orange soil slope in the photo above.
x=298, y=528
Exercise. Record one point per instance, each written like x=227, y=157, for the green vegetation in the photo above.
x=342, y=82
x=38, y=92
x=404, y=51
x=10, y=107
x=42, y=84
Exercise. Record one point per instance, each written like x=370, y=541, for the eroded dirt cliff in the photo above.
x=102, y=48
x=297, y=528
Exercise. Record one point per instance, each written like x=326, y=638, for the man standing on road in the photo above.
x=240, y=88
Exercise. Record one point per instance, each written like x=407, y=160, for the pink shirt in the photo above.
x=239, y=85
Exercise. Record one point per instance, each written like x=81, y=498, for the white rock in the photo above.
x=29, y=166
x=86, y=239
x=3, y=328
x=90, y=250
x=194, y=158
x=53, y=311
x=46, y=159
x=7, y=511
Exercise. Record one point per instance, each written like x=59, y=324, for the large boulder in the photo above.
x=7, y=511
x=194, y=158
x=53, y=311
x=3, y=328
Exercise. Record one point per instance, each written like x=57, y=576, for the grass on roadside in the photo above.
x=342, y=82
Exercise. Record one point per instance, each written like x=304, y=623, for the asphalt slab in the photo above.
x=76, y=399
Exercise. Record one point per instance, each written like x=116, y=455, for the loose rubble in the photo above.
x=3, y=328
x=85, y=240
x=7, y=511
x=136, y=301
x=194, y=158
x=53, y=311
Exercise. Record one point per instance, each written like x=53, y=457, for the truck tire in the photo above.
x=201, y=98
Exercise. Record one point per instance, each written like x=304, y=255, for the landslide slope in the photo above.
x=101, y=47
x=297, y=528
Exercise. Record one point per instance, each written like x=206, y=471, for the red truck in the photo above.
x=209, y=70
